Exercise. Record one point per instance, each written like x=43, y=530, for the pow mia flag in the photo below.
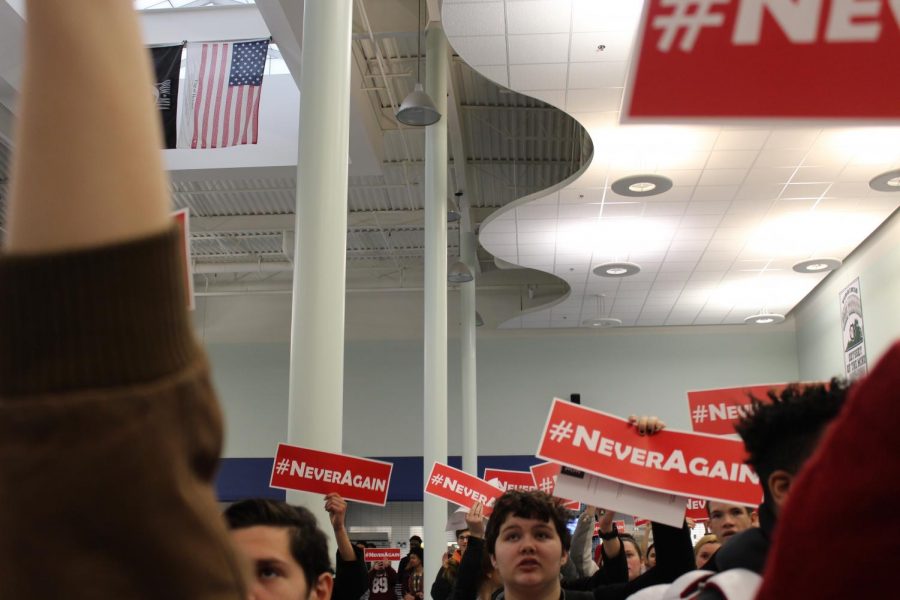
x=167, y=65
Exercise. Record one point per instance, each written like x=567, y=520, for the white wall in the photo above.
x=623, y=372
x=818, y=317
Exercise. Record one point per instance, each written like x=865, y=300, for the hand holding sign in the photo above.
x=475, y=520
x=336, y=507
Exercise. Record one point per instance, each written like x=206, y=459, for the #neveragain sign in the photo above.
x=360, y=479
x=696, y=510
x=545, y=476
x=381, y=554
x=717, y=411
x=714, y=59
x=461, y=488
x=509, y=480
x=681, y=463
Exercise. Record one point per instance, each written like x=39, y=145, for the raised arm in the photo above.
x=87, y=168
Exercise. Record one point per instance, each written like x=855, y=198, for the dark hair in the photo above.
x=650, y=548
x=459, y=532
x=417, y=538
x=783, y=433
x=530, y=504
x=625, y=537
x=418, y=552
x=308, y=544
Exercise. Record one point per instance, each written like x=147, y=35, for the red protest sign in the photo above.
x=461, y=488
x=639, y=522
x=544, y=476
x=620, y=526
x=675, y=462
x=360, y=479
x=510, y=480
x=717, y=411
x=700, y=59
x=696, y=510
x=381, y=554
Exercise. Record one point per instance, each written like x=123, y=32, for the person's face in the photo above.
x=414, y=562
x=633, y=559
x=378, y=565
x=705, y=553
x=726, y=520
x=462, y=540
x=414, y=543
x=276, y=575
x=651, y=558
x=528, y=554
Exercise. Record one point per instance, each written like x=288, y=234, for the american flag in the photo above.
x=224, y=83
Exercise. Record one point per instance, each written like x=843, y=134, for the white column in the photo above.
x=467, y=348
x=435, y=376
x=317, y=316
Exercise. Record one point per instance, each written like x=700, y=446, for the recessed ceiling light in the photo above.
x=617, y=269
x=605, y=322
x=817, y=265
x=764, y=319
x=886, y=182
x=642, y=185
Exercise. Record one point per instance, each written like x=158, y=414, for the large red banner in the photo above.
x=701, y=59
x=717, y=411
x=544, y=475
x=461, y=488
x=510, y=480
x=360, y=479
x=682, y=463
x=382, y=554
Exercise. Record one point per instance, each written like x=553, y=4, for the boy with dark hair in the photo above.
x=527, y=540
x=779, y=437
x=289, y=553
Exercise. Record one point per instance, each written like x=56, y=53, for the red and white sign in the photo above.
x=696, y=510
x=510, y=480
x=360, y=479
x=183, y=219
x=717, y=411
x=381, y=554
x=544, y=475
x=639, y=522
x=676, y=462
x=461, y=488
x=620, y=526
x=713, y=59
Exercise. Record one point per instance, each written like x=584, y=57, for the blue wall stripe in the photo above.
x=241, y=478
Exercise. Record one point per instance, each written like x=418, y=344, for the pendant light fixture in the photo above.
x=601, y=321
x=417, y=109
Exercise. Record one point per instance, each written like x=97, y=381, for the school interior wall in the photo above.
x=622, y=372
x=818, y=318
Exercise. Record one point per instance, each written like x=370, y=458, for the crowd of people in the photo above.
x=106, y=464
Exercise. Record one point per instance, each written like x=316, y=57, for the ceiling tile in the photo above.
x=538, y=16
x=537, y=212
x=555, y=98
x=707, y=208
x=482, y=18
x=770, y=175
x=579, y=211
x=526, y=225
x=742, y=139
x=538, y=48
x=597, y=75
x=482, y=49
x=805, y=190
x=784, y=157
x=498, y=74
x=537, y=77
x=581, y=101
x=700, y=221
x=492, y=238
x=665, y=209
x=687, y=245
x=617, y=46
x=792, y=138
x=731, y=159
x=722, y=177
x=623, y=209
